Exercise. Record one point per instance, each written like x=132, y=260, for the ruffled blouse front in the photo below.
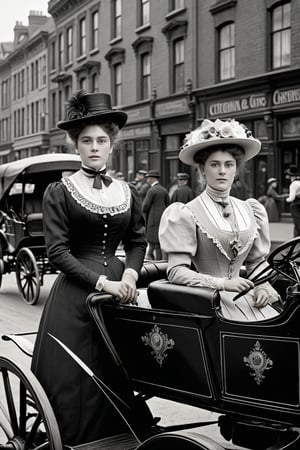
x=198, y=234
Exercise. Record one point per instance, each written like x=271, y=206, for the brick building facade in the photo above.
x=169, y=64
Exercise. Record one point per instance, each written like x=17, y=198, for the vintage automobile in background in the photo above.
x=22, y=246
x=181, y=349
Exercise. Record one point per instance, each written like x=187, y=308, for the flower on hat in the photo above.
x=217, y=130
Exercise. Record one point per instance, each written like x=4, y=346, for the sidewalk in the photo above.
x=281, y=231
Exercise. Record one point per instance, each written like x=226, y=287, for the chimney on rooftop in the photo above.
x=36, y=20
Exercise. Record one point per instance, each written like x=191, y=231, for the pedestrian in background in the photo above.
x=183, y=193
x=272, y=203
x=156, y=201
x=86, y=216
x=142, y=185
x=294, y=197
x=238, y=189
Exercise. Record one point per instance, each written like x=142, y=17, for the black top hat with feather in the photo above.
x=85, y=107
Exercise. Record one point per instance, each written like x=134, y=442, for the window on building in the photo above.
x=117, y=18
x=82, y=83
x=176, y=4
x=144, y=9
x=53, y=110
x=32, y=75
x=95, y=82
x=226, y=52
x=95, y=29
x=69, y=45
x=178, y=48
x=117, y=84
x=145, y=76
x=281, y=35
x=36, y=75
x=60, y=52
x=82, y=37
x=53, y=53
x=44, y=70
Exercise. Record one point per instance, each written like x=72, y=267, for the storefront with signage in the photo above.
x=273, y=116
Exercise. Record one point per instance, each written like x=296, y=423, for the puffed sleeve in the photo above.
x=261, y=244
x=177, y=226
x=56, y=231
x=178, y=238
x=135, y=242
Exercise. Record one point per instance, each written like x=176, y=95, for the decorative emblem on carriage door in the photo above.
x=159, y=343
x=258, y=362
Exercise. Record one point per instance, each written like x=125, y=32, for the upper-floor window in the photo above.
x=52, y=55
x=117, y=84
x=82, y=37
x=176, y=4
x=145, y=76
x=226, y=52
x=281, y=35
x=5, y=93
x=69, y=45
x=95, y=29
x=178, y=49
x=82, y=83
x=95, y=82
x=144, y=12
x=117, y=19
x=60, y=51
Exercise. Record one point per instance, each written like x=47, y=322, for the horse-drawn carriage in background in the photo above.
x=182, y=349
x=22, y=246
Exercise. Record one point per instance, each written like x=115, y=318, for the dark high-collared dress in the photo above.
x=83, y=228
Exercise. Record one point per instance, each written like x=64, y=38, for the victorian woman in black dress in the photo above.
x=86, y=216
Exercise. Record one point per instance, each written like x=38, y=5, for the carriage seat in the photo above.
x=198, y=300
x=151, y=271
x=34, y=222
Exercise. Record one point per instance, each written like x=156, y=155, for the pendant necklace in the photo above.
x=235, y=244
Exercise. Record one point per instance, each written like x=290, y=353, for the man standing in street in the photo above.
x=294, y=197
x=156, y=201
x=141, y=184
x=183, y=193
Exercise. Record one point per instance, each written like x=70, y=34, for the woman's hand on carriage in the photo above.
x=124, y=290
x=261, y=297
x=238, y=284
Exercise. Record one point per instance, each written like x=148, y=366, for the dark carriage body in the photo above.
x=184, y=350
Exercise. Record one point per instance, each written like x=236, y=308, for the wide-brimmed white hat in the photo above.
x=220, y=132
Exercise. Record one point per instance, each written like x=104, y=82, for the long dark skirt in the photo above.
x=82, y=411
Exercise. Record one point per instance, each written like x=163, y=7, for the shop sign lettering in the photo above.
x=281, y=96
x=172, y=107
x=256, y=101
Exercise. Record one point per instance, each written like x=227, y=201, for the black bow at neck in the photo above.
x=99, y=177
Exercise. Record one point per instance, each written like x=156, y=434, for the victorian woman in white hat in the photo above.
x=216, y=233
x=86, y=216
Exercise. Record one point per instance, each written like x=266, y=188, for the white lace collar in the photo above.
x=112, y=199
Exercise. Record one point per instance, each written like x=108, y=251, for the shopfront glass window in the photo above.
x=291, y=127
x=142, y=152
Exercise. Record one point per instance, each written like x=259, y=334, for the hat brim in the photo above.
x=117, y=117
x=292, y=174
x=250, y=146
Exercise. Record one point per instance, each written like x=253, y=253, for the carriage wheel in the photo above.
x=27, y=274
x=27, y=420
x=181, y=440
